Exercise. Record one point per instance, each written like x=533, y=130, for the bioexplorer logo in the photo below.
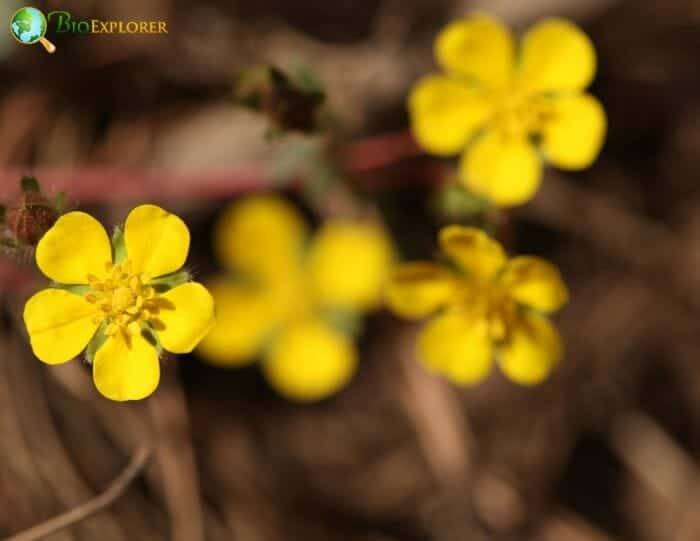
x=29, y=25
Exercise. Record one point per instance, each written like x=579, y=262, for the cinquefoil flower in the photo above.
x=499, y=105
x=486, y=307
x=124, y=300
x=292, y=300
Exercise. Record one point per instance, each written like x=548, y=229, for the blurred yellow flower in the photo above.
x=260, y=236
x=487, y=306
x=290, y=295
x=122, y=300
x=498, y=105
x=348, y=264
x=310, y=360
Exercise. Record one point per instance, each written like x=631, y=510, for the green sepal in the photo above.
x=343, y=320
x=169, y=281
x=151, y=336
x=3, y=214
x=29, y=185
x=76, y=289
x=309, y=81
x=118, y=245
x=60, y=202
x=99, y=338
x=457, y=201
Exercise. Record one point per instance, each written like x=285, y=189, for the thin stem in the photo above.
x=89, y=508
x=109, y=184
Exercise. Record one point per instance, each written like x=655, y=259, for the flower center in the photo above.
x=123, y=297
x=519, y=114
x=500, y=312
x=489, y=302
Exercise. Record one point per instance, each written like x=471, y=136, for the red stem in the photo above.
x=111, y=184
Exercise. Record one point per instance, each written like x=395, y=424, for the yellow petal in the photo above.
x=507, y=170
x=419, y=288
x=60, y=324
x=260, y=235
x=536, y=283
x=126, y=367
x=244, y=320
x=479, y=48
x=556, y=56
x=457, y=346
x=349, y=264
x=185, y=315
x=310, y=361
x=480, y=256
x=532, y=350
x=445, y=114
x=575, y=133
x=157, y=242
x=76, y=245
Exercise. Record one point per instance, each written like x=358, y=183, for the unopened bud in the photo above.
x=290, y=104
x=30, y=218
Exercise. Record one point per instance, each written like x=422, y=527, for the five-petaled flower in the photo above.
x=124, y=300
x=295, y=301
x=489, y=307
x=499, y=106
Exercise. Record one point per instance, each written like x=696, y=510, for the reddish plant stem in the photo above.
x=112, y=184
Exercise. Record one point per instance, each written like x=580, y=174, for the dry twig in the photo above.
x=77, y=514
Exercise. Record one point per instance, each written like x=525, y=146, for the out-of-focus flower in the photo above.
x=294, y=300
x=125, y=300
x=499, y=106
x=260, y=236
x=487, y=306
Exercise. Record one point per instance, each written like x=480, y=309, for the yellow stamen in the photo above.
x=122, y=297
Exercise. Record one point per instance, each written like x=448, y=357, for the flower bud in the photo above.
x=291, y=104
x=31, y=217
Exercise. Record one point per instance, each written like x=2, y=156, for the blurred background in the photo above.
x=606, y=449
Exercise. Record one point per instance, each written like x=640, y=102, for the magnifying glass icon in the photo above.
x=28, y=26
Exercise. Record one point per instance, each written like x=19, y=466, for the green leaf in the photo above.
x=98, y=339
x=118, y=245
x=29, y=185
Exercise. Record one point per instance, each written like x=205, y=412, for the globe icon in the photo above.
x=28, y=25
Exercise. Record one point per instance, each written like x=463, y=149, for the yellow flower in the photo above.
x=498, y=106
x=310, y=360
x=487, y=306
x=122, y=300
x=349, y=264
x=260, y=236
x=293, y=306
